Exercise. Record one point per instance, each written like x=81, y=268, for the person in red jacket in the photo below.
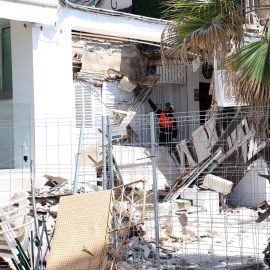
x=167, y=124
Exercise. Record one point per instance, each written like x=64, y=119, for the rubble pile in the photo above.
x=219, y=236
x=47, y=198
x=197, y=228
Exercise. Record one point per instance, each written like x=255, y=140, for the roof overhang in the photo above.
x=113, y=23
x=38, y=11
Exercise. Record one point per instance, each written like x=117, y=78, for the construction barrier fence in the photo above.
x=201, y=193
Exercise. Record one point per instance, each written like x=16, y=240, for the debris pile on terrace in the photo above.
x=187, y=201
x=119, y=229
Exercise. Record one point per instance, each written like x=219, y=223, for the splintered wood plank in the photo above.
x=235, y=146
x=246, y=127
x=201, y=143
x=245, y=151
x=80, y=238
x=210, y=127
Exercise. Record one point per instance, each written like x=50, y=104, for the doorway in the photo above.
x=205, y=100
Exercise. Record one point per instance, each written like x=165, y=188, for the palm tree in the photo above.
x=202, y=28
x=215, y=28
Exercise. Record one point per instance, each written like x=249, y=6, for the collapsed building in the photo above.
x=212, y=189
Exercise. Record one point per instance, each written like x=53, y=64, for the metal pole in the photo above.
x=143, y=99
x=104, y=152
x=33, y=193
x=110, y=161
x=78, y=160
x=110, y=156
x=152, y=127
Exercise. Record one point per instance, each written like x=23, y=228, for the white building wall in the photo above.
x=43, y=96
x=252, y=189
x=193, y=106
x=42, y=78
x=54, y=100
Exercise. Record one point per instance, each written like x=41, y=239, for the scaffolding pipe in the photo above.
x=104, y=152
x=78, y=159
x=153, y=148
x=217, y=90
x=110, y=156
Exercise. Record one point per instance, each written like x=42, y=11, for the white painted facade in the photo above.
x=38, y=11
x=43, y=91
x=42, y=78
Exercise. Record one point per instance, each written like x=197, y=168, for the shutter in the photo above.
x=83, y=105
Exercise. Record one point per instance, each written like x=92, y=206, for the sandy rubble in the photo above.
x=225, y=240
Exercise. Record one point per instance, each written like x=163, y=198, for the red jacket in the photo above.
x=165, y=121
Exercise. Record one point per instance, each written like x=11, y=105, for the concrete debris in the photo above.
x=136, y=163
x=217, y=184
x=54, y=180
x=206, y=199
x=127, y=84
x=54, y=210
x=61, y=190
x=47, y=198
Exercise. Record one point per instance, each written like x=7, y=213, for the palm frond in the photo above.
x=250, y=73
x=201, y=27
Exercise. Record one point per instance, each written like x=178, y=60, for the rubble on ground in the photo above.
x=192, y=206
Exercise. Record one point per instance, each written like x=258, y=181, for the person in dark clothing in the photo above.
x=167, y=124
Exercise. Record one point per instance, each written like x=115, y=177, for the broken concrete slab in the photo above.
x=252, y=188
x=217, y=184
x=54, y=210
x=135, y=163
x=55, y=180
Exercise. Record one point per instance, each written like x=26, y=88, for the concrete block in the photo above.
x=217, y=184
x=135, y=163
x=127, y=84
x=206, y=199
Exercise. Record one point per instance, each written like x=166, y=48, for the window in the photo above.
x=5, y=64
